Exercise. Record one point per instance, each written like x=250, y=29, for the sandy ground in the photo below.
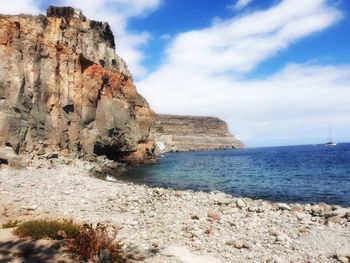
x=14, y=249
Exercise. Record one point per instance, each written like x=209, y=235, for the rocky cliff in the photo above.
x=64, y=89
x=190, y=133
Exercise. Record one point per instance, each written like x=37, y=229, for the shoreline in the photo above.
x=253, y=198
x=174, y=223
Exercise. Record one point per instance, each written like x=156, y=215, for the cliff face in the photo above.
x=63, y=88
x=189, y=133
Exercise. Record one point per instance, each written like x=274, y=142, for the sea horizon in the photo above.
x=291, y=145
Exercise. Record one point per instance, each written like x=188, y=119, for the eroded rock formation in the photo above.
x=190, y=133
x=63, y=88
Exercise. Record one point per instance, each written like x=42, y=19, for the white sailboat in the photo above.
x=330, y=143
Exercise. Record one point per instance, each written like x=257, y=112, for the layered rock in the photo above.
x=190, y=133
x=63, y=88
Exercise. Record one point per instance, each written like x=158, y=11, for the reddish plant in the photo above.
x=96, y=242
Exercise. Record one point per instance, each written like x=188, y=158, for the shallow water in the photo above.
x=302, y=174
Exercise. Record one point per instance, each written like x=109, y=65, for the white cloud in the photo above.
x=240, y=44
x=240, y=4
x=203, y=74
x=298, y=102
x=17, y=7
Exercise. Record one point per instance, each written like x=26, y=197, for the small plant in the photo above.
x=99, y=241
x=55, y=229
x=11, y=224
x=86, y=242
x=159, y=128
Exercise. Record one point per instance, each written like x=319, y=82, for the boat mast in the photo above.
x=329, y=133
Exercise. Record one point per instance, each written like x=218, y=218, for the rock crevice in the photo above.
x=63, y=88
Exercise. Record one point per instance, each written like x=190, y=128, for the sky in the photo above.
x=277, y=71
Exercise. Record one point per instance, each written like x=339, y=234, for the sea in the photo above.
x=293, y=174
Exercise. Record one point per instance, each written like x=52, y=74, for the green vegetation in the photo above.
x=159, y=128
x=54, y=229
x=84, y=241
x=11, y=224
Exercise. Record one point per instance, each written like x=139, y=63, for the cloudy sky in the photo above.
x=277, y=71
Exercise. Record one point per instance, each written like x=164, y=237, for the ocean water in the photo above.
x=303, y=174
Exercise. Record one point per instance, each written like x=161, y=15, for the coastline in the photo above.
x=186, y=226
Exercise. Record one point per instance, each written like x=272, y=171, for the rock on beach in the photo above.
x=193, y=226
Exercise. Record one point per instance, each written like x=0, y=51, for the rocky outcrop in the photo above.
x=189, y=133
x=63, y=88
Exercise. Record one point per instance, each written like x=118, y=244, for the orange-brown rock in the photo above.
x=63, y=87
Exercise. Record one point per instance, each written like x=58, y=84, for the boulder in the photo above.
x=283, y=206
x=213, y=216
x=9, y=157
x=222, y=199
x=240, y=203
x=334, y=220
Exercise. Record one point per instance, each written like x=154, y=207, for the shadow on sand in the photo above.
x=24, y=250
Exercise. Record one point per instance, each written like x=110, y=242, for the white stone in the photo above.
x=283, y=206
x=240, y=203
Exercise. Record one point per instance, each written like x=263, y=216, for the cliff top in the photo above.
x=55, y=11
x=187, y=117
x=65, y=11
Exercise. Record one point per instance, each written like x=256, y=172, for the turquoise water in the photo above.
x=289, y=174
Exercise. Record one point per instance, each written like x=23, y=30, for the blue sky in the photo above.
x=175, y=16
x=278, y=71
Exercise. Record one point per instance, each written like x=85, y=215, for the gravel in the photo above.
x=193, y=226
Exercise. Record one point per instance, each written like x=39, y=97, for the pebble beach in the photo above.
x=168, y=225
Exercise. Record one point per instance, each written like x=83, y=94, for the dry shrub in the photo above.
x=96, y=242
x=11, y=224
x=55, y=229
